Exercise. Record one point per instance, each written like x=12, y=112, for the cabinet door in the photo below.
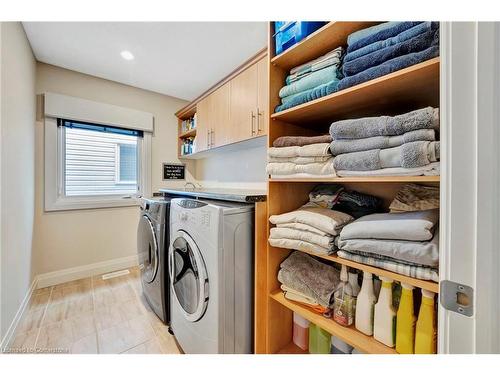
x=244, y=105
x=262, y=97
x=220, y=116
x=203, y=124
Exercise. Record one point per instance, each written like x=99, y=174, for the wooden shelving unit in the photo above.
x=404, y=90
x=189, y=133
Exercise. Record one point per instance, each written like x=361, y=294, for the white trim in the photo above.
x=11, y=331
x=80, y=272
x=71, y=108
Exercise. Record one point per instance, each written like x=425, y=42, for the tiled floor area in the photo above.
x=93, y=316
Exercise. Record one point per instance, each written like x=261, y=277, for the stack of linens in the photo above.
x=386, y=48
x=388, y=146
x=405, y=242
x=308, y=281
x=311, y=80
x=294, y=157
x=413, y=197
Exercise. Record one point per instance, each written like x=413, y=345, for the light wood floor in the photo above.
x=93, y=316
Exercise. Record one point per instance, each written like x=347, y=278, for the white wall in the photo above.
x=67, y=239
x=18, y=106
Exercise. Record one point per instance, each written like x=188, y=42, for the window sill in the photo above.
x=67, y=204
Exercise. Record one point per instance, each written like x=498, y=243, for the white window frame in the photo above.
x=55, y=198
x=118, y=180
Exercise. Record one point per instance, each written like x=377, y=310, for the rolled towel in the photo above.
x=344, y=146
x=316, y=149
x=409, y=155
x=288, y=141
x=366, y=127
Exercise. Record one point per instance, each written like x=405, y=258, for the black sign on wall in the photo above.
x=174, y=171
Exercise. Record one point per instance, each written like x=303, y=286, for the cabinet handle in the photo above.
x=253, y=120
x=208, y=138
x=259, y=113
x=212, y=142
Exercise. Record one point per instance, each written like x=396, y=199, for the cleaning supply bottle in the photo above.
x=364, y=305
x=353, y=280
x=384, y=327
x=343, y=305
x=425, y=335
x=319, y=340
x=300, y=331
x=405, y=323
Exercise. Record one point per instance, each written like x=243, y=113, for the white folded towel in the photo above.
x=316, y=149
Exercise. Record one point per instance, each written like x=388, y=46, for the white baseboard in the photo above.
x=75, y=273
x=10, y=334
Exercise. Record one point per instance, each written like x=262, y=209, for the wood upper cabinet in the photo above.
x=202, y=124
x=220, y=120
x=244, y=104
x=262, y=97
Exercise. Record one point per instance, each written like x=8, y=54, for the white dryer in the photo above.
x=211, y=269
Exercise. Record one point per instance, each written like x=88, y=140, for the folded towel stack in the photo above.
x=311, y=80
x=308, y=281
x=386, y=48
x=401, y=145
x=301, y=157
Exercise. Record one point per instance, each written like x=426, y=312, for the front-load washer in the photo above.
x=152, y=247
x=211, y=273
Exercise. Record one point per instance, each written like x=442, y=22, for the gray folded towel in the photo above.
x=409, y=155
x=287, y=141
x=344, y=146
x=306, y=275
x=425, y=118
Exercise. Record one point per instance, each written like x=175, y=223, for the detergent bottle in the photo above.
x=405, y=323
x=384, y=327
x=425, y=335
x=364, y=305
x=344, y=301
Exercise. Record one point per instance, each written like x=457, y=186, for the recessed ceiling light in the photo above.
x=127, y=55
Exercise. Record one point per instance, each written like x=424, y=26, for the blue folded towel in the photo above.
x=390, y=66
x=376, y=33
x=314, y=79
x=311, y=94
x=405, y=35
x=415, y=44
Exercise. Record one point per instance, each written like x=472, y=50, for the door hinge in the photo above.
x=456, y=297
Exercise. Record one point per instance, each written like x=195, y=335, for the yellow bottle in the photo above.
x=425, y=336
x=405, y=323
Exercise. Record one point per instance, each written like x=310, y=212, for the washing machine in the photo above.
x=211, y=273
x=152, y=247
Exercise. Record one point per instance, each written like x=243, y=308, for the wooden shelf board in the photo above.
x=350, y=335
x=372, y=179
x=291, y=348
x=189, y=133
x=322, y=41
x=423, y=284
x=415, y=86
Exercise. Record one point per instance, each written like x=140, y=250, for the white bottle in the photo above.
x=353, y=280
x=365, y=305
x=384, y=327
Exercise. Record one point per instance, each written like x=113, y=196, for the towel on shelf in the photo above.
x=357, y=204
x=325, y=195
x=287, y=141
x=326, y=220
x=325, y=241
x=308, y=247
x=372, y=34
x=409, y=155
x=311, y=94
x=415, y=271
x=410, y=226
x=416, y=44
x=365, y=127
x=317, y=169
x=301, y=71
x=316, y=149
x=389, y=66
x=315, y=79
x=413, y=197
x=401, y=37
x=303, y=228
x=306, y=275
x=344, y=146
x=299, y=176
x=295, y=295
x=300, y=159
x=427, y=170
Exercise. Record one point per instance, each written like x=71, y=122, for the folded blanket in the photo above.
x=375, y=33
x=409, y=226
x=365, y=127
x=378, y=45
x=389, y=66
x=325, y=241
x=328, y=221
x=317, y=169
x=306, y=275
x=316, y=149
x=413, y=197
x=417, y=272
x=409, y=155
x=325, y=195
x=315, y=79
x=287, y=141
x=300, y=159
x=308, y=247
x=427, y=170
x=312, y=94
x=424, y=253
x=303, y=228
x=416, y=44
x=357, y=204
x=344, y=146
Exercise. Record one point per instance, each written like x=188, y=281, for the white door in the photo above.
x=470, y=151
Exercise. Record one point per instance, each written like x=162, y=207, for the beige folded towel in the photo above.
x=317, y=149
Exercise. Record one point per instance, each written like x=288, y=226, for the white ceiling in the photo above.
x=180, y=59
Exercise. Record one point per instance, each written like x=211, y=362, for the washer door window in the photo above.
x=148, y=249
x=189, y=276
